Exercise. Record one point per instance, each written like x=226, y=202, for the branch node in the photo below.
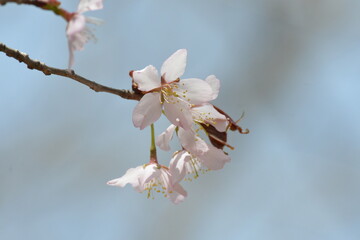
x=46, y=71
x=37, y=64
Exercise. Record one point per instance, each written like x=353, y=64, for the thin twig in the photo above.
x=35, y=64
x=51, y=5
x=3, y=2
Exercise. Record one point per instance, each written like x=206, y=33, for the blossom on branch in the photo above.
x=152, y=178
x=76, y=31
x=186, y=104
x=183, y=163
x=167, y=92
x=199, y=151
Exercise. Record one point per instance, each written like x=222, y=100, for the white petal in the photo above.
x=193, y=90
x=151, y=171
x=147, y=111
x=206, y=113
x=71, y=55
x=214, y=159
x=174, y=67
x=77, y=35
x=76, y=24
x=220, y=125
x=147, y=79
x=178, y=112
x=165, y=179
x=215, y=85
x=89, y=5
x=191, y=142
x=178, y=194
x=131, y=176
x=178, y=166
x=163, y=140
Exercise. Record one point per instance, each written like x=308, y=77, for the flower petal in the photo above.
x=206, y=113
x=174, y=67
x=89, y=5
x=178, y=166
x=147, y=79
x=178, y=194
x=77, y=35
x=192, y=143
x=178, y=112
x=193, y=90
x=163, y=140
x=132, y=177
x=166, y=179
x=214, y=159
x=214, y=84
x=76, y=24
x=71, y=55
x=147, y=111
x=151, y=171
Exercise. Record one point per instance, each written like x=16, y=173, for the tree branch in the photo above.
x=3, y=2
x=50, y=5
x=35, y=64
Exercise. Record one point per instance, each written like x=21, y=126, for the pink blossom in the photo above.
x=152, y=178
x=188, y=140
x=167, y=92
x=184, y=162
x=203, y=114
x=207, y=114
x=76, y=31
x=201, y=152
x=214, y=84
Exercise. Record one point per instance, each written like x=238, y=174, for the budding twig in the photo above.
x=37, y=65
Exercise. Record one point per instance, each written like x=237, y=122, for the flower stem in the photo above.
x=153, y=157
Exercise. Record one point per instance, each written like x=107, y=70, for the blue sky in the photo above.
x=291, y=66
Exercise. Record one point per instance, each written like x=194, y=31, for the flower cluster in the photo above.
x=186, y=104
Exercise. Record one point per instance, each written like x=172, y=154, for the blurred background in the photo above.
x=291, y=65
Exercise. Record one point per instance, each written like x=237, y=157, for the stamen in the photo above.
x=221, y=141
x=156, y=185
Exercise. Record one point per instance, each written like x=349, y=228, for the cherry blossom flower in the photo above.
x=152, y=177
x=203, y=115
x=76, y=31
x=183, y=163
x=214, y=121
x=207, y=114
x=201, y=152
x=167, y=92
x=188, y=140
